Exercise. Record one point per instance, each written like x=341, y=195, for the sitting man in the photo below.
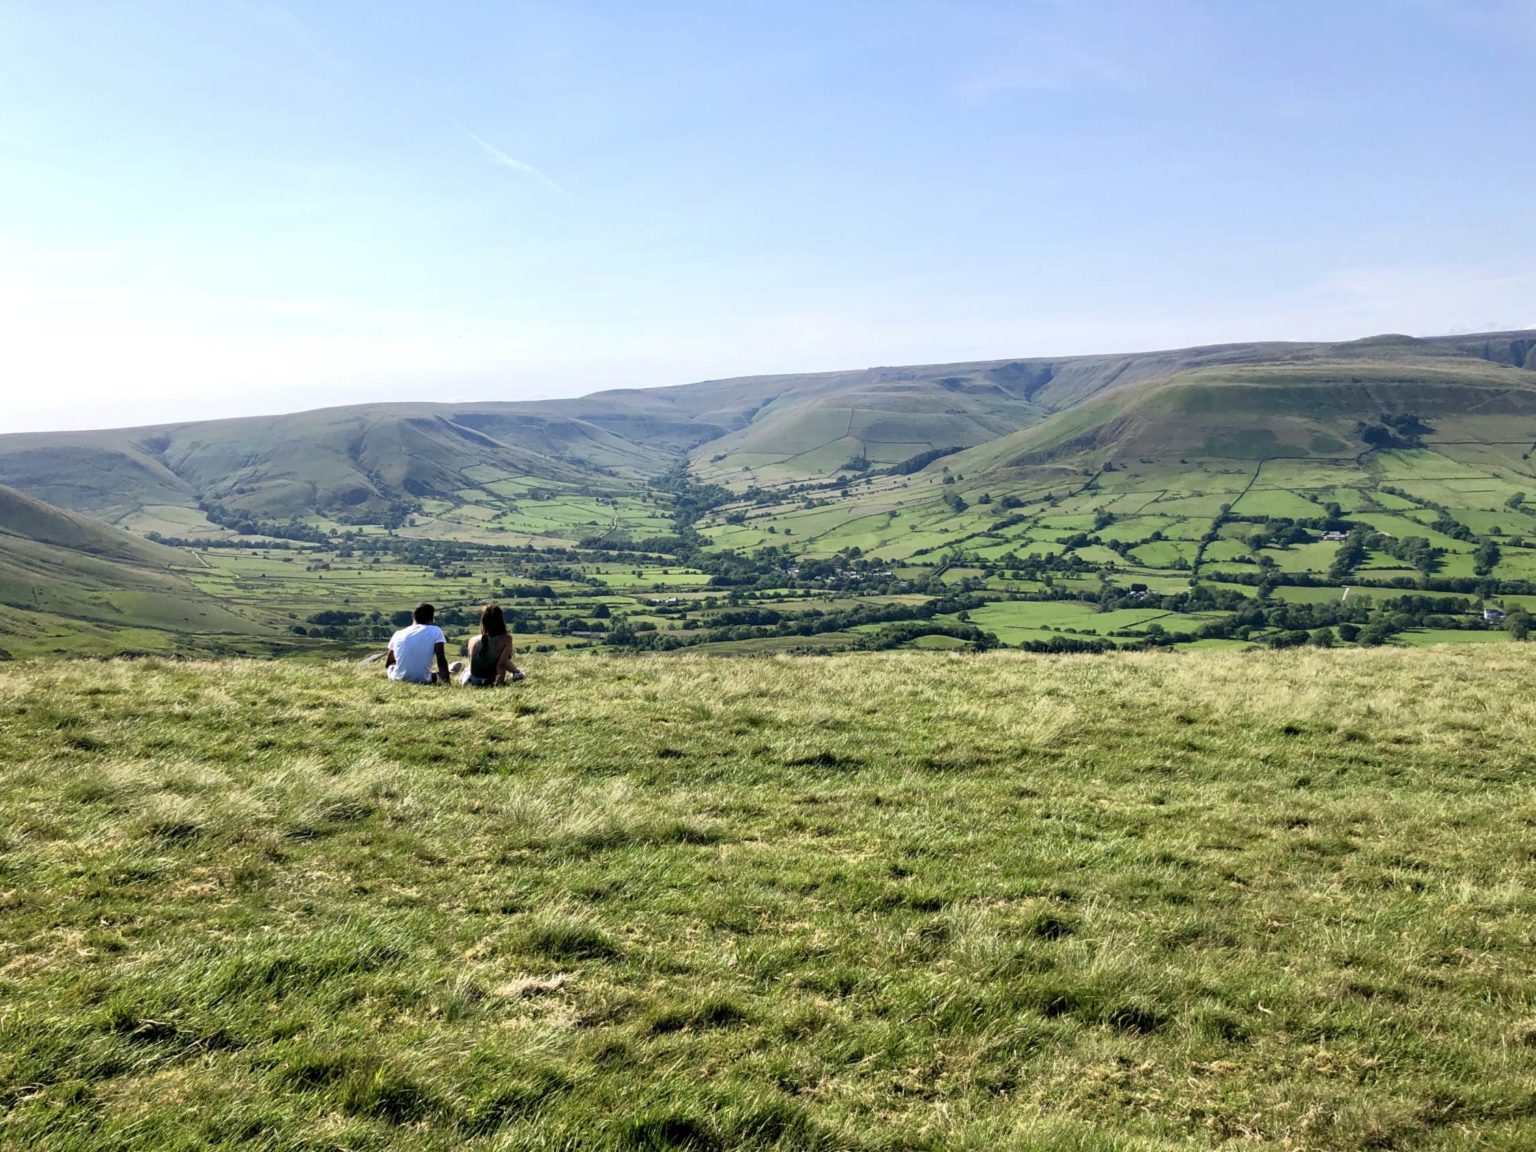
x=413, y=649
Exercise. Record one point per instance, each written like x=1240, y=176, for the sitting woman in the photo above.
x=490, y=653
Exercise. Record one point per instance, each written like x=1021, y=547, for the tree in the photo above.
x=1351, y=555
x=1376, y=635
x=1518, y=624
x=1486, y=558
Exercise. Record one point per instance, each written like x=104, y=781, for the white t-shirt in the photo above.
x=412, y=647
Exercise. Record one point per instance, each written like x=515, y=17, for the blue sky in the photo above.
x=241, y=207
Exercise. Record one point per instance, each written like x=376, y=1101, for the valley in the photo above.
x=1380, y=491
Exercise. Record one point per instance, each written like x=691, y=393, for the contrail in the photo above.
x=497, y=156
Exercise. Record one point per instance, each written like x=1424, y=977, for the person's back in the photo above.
x=490, y=653
x=485, y=657
x=414, y=649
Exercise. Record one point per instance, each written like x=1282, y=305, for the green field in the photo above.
x=1177, y=498
x=1138, y=901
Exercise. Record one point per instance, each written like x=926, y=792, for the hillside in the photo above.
x=363, y=460
x=1118, y=903
x=1379, y=491
x=25, y=518
x=1319, y=409
x=375, y=462
x=75, y=586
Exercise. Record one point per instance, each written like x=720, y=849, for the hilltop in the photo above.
x=1104, y=903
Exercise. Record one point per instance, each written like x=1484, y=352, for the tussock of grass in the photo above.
x=871, y=903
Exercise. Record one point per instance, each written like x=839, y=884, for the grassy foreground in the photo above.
x=879, y=902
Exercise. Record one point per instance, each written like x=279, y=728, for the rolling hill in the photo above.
x=1073, y=503
x=75, y=586
x=362, y=462
x=1324, y=407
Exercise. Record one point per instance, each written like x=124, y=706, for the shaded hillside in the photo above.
x=361, y=460
x=72, y=585
x=815, y=425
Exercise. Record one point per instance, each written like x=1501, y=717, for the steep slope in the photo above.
x=70, y=584
x=22, y=517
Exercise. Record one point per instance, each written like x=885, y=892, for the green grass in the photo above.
x=1418, y=637
x=925, y=901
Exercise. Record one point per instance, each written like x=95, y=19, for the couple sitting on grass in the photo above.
x=414, y=650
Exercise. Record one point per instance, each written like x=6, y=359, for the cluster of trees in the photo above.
x=905, y=632
x=917, y=463
x=221, y=542
x=1200, y=598
x=248, y=524
x=733, y=626
x=1395, y=430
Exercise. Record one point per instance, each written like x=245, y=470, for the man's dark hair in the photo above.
x=423, y=613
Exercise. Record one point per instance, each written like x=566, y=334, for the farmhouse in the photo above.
x=1493, y=615
x=1335, y=536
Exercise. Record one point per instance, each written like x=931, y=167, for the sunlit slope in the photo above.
x=72, y=585
x=25, y=517
x=817, y=426
x=1321, y=409
x=813, y=426
x=371, y=461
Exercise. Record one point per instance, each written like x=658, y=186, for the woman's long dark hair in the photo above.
x=492, y=621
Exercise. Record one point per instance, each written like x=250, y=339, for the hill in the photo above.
x=814, y=426
x=377, y=463
x=1322, y=408
x=75, y=586
x=363, y=461
x=22, y=517
x=1115, y=903
x=1371, y=492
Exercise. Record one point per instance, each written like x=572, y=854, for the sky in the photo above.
x=245, y=207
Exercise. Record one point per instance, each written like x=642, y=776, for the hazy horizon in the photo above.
x=576, y=394
x=274, y=207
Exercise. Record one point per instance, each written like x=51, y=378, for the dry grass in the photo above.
x=1132, y=901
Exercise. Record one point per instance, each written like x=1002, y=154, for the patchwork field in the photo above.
x=1370, y=492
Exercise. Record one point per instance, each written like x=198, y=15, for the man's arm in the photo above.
x=389, y=658
x=440, y=650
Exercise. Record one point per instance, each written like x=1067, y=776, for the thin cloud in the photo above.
x=497, y=156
